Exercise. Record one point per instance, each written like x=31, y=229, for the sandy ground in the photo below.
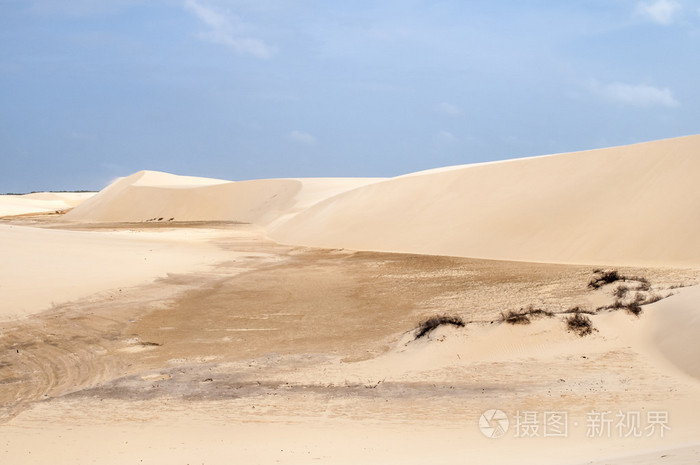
x=164, y=320
x=44, y=267
x=303, y=355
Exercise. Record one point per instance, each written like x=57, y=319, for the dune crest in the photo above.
x=150, y=194
x=632, y=205
x=629, y=205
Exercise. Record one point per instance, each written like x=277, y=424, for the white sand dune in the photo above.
x=630, y=205
x=271, y=353
x=41, y=202
x=634, y=205
x=149, y=194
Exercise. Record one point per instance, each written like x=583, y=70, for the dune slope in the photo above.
x=635, y=205
x=41, y=202
x=149, y=194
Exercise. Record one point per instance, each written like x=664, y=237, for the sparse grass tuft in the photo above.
x=524, y=315
x=515, y=318
x=621, y=291
x=426, y=326
x=579, y=310
x=603, y=278
x=579, y=324
x=643, y=284
x=538, y=312
x=634, y=308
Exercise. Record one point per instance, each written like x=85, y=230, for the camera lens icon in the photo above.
x=494, y=423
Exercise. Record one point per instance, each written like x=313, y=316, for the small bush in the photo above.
x=579, y=324
x=643, y=285
x=538, y=312
x=634, y=308
x=426, y=326
x=621, y=291
x=524, y=315
x=579, y=310
x=515, y=318
x=603, y=278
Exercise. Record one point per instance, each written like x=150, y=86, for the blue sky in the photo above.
x=242, y=89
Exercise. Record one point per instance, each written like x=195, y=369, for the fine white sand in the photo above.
x=626, y=205
x=630, y=205
x=149, y=195
x=42, y=267
x=253, y=351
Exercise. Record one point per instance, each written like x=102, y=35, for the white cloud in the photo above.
x=225, y=30
x=302, y=138
x=642, y=95
x=660, y=11
x=448, y=109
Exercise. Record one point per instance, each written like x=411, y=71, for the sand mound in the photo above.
x=41, y=202
x=674, y=326
x=148, y=194
x=631, y=205
x=625, y=205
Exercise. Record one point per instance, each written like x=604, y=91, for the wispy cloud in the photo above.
x=227, y=30
x=302, y=137
x=448, y=109
x=660, y=11
x=641, y=95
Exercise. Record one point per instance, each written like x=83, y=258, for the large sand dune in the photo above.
x=149, y=194
x=181, y=335
x=635, y=204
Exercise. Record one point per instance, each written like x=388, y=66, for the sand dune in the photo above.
x=635, y=204
x=632, y=205
x=148, y=194
x=253, y=350
x=41, y=202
